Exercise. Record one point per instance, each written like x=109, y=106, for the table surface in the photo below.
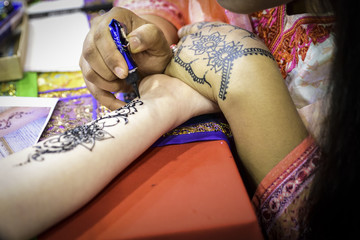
x=186, y=191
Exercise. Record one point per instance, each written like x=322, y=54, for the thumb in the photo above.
x=147, y=37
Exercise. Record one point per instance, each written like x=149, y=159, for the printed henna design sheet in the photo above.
x=22, y=121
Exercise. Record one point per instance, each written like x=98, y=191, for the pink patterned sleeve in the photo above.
x=281, y=196
x=168, y=10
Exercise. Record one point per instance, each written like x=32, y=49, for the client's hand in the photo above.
x=103, y=66
x=215, y=58
x=182, y=102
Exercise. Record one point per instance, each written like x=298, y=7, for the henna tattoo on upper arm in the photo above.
x=218, y=52
x=85, y=135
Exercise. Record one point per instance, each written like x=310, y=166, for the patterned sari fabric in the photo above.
x=302, y=45
x=281, y=196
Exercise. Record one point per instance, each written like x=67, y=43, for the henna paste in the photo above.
x=85, y=135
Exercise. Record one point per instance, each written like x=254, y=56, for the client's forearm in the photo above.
x=45, y=183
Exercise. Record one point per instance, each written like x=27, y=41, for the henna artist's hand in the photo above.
x=213, y=58
x=104, y=68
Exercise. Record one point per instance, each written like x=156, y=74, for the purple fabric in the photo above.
x=191, y=137
x=62, y=89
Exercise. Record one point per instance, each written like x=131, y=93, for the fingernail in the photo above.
x=180, y=31
x=119, y=72
x=134, y=43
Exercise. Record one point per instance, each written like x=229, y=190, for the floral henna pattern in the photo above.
x=6, y=123
x=85, y=135
x=218, y=52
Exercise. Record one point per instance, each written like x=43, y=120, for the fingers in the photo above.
x=101, y=89
x=110, y=55
x=101, y=53
x=100, y=49
x=102, y=64
x=150, y=49
x=93, y=77
x=104, y=97
x=148, y=37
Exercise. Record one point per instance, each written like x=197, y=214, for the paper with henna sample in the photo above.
x=22, y=121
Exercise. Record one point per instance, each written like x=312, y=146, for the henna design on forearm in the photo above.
x=217, y=51
x=85, y=135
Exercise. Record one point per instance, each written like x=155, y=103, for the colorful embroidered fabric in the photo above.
x=303, y=46
x=282, y=194
x=202, y=128
x=75, y=106
x=8, y=88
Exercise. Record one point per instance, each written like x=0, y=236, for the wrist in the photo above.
x=164, y=93
x=175, y=101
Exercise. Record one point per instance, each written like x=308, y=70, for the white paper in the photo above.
x=27, y=101
x=21, y=132
x=55, y=43
x=47, y=6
